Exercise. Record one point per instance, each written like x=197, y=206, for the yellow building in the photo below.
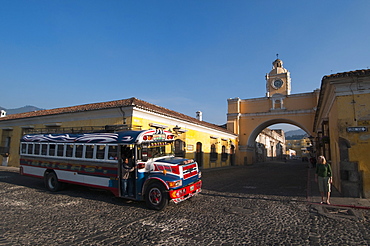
x=270, y=145
x=301, y=147
x=294, y=146
x=209, y=144
x=341, y=124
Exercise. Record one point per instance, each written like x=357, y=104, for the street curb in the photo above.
x=9, y=169
x=340, y=205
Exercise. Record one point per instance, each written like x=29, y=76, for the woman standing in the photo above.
x=324, y=178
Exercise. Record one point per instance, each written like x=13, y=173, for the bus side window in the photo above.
x=24, y=148
x=60, y=151
x=89, y=151
x=100, y=152
x=37, y=149
x=79, y=149
x=30, y=148
x=112, y=153
x=69, y=150
x=52, y=149
x=44, y=149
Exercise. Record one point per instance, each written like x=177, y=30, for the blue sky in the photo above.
x=183, y=55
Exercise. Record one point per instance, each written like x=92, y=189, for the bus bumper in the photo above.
x=186, y=192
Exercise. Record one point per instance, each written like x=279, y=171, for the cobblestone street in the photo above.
x=262, y=204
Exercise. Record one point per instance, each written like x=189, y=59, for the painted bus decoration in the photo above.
x=96, y=160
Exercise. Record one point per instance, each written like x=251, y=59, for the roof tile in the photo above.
x=361, y=72
x=113, y=104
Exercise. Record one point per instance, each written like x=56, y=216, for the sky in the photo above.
x=187, y=56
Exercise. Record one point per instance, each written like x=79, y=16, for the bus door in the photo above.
x=141, y=157
x=126, y=152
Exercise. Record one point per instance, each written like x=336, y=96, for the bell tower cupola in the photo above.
x=278, y=80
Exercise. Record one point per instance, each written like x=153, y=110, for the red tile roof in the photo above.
x=113, y=104
x=362, y=72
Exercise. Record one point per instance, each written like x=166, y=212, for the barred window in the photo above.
x=213, y=153
x=224, y=155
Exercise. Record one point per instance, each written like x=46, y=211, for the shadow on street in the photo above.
x=269, y=178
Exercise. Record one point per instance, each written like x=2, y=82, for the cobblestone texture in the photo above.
x=263, y=204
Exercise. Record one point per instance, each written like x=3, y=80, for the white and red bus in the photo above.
x=95, y=160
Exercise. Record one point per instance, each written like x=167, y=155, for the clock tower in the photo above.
x=278, y=80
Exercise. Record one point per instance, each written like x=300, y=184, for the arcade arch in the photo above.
x=253, y=135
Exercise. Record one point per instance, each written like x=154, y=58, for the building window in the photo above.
x=179, y=148
x=224, y=155
x=5, y=142
x=213, y=152
x=199, y=154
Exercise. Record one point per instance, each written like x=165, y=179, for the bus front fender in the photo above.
x=152, y=180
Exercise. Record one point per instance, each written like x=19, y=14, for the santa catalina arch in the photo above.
x=248, y=117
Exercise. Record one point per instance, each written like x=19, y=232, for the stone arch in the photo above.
x=259, y=128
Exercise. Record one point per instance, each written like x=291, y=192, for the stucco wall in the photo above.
x=355, y=111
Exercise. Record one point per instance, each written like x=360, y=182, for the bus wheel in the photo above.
x=156, y=196
x=51, y=182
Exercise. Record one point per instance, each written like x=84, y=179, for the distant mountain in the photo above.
x=24, y=109
x=295, y=134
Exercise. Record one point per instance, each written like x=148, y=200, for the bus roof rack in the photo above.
x=79, y=130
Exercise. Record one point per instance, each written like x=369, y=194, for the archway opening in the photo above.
x=281, y=142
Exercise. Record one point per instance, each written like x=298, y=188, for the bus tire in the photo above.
x=156, y=196
x=51, y=182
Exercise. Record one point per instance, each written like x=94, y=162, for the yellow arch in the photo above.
x=248, y=117
x=253, y=135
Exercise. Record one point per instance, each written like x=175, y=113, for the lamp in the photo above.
x=176, y=129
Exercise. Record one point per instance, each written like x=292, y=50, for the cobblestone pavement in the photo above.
x=262, y=204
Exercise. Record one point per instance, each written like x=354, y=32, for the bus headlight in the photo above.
x=173, y=184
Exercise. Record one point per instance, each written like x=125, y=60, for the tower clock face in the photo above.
x=277, y=84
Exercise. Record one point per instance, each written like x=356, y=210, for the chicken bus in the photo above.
x=96, y=160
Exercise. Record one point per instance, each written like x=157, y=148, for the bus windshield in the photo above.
x=155, y=150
